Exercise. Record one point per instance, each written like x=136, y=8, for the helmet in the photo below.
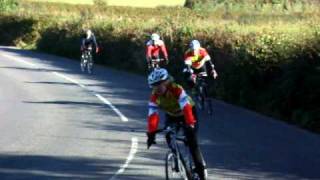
x=88, y=33
x=157, y=76
x=155, y=37
x=194, y=44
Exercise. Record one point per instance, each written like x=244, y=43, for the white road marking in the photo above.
x=133, y=151
x=17, y=59
x=134, y=140
x=70, y=79
x=123, y=118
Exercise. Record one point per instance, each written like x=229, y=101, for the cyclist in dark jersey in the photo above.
x=89, y=41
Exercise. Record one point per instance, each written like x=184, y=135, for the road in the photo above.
x=57, y=123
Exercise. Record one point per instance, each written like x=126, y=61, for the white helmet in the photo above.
x=155, y=37
x=194, y=45
x=158, y=75
x=89, y=33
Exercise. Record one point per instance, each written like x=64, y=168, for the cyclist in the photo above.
x=153, y=48
x=198, y=62
x=178, y=107
x=89, y=40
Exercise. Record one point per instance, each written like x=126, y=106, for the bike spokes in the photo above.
x=82, y=64
x=90, y=67
x=86, y=63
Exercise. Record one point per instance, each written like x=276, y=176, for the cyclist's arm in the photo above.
x=208, y=63
x=164, y=51
x=148, y=53
x=188, y=61
x=153, y=116
x=210, y=69
x=186, y=107
x=83, y=40
x=94, y=40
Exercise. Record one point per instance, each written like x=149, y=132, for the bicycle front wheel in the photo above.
x=175, y=168
x=90, y=65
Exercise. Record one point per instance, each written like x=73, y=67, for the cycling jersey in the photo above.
x=86, y=42
x=196, y=60
x=174, y=102
x=153, y=49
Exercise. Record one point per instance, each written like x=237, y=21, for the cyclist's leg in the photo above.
x=196, y=153
x=195, y=114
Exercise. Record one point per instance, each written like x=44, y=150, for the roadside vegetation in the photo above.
x=135, y=3
x=267, y=51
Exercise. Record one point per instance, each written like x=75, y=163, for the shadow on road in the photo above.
x=14, y=166
x=31, y=69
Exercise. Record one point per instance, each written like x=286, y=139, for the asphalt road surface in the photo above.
x=58, y=123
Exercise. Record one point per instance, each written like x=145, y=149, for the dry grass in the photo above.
x=133, y=3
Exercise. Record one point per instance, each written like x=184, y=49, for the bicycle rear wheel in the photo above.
x=90, y=65
x=199, y=98
x=83, y=64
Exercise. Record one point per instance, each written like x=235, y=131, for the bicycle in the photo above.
x=200, y=94
x=155, y=63
x=86, y=62
x=178, y=163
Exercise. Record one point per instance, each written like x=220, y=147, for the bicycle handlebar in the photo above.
x=170, y=130
x=157, y=60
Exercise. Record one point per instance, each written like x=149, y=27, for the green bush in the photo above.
x=15, y=30
x=8, y=5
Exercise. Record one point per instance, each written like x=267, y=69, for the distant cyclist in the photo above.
x=178, y=107
x=155, y=49
x=89, y=41
x=198, y=62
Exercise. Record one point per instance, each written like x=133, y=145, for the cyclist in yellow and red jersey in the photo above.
x=179, y=108
x=198, y=62
x=153, y=48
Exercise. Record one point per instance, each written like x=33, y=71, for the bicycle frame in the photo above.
x=86, y=60
x=201, y=96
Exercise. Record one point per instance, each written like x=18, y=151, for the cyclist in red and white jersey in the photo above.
x=155, y=48
x=197, y=60
x=178, y=107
